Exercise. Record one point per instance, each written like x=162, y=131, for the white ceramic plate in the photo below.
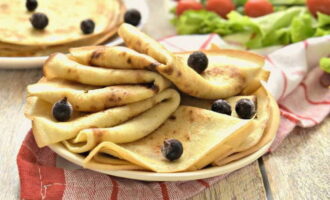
x=153, y=176
x=36, y=62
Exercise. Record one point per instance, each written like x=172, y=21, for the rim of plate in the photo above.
x=37, y=61
x=177, y=176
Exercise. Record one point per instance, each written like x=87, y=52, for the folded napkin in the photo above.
x=294, y=82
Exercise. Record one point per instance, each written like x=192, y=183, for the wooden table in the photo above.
x=299, y=169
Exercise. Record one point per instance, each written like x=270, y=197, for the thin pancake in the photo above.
x=87, y=98
x=229, y=72
x=47, y=130
x=63, y=67
x=63, y=27
x=129, y=131
x=201, y=132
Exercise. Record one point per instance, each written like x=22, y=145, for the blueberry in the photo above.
x=87, y=26
x=198, y=61
x=172, y=149
x=62, y=110
x=245, y=108
x=39, y=21
x=221, y=106
x=31, y=5
x=132, y=17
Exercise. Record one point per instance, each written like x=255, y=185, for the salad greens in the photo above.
x=292, y=25
x=274, y=2
x=325, y=64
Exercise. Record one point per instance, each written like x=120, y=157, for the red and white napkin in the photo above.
x=294, y=82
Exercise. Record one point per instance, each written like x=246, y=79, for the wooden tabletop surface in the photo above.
x=299, y=169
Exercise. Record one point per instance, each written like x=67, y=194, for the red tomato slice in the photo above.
x=257, y=8
x=322, y=6
x=221, y=7
x=184, y=5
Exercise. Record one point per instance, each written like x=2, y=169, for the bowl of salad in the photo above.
x=254, y=24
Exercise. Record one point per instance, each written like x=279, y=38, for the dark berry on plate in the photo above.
x=172, y=149
x=198, y=61
x=39, y=21
x=325, y=79
x=221, y=106
x=62, y=110
x=87, y=26
x=245, y=108
x=132, y=16
x=31, y=5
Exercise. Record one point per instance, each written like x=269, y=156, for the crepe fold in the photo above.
x=90, y=88
x=264, y=124
x=229, y=72
x=200, y=131
x=207, y=137
x=114, y=124
x=63, y=30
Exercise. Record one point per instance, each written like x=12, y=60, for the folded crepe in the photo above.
x=114, y=124
x=268, y=135
x=11, y=50
x=229, y=72
x=90, y=88
x=63, y=28
x=117, y=57
x=264, y=124
x=201, y=132
x=131, y=130
x=207, y=137
x=86, y=98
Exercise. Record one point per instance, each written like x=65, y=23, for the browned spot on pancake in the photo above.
x=93, y=108
x=69, y=70
x=138, y=43
x=174, y=132
x=191, y=116
x=187, y=137
x=113, y=98
x=172, y=117
x=178, y=74
x=3, y=7
x=168, y=70
x=76, y=107
x=157, y=148
x=155, y=88
x=97, y=133
x=152, y=66
x=95, y=55
x=129, y=61
x=151, y=86
x=215, y=71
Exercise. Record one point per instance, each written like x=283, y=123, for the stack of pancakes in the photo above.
x=128, y=100
x=19, y=38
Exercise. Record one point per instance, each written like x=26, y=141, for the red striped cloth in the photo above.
x=294, y=82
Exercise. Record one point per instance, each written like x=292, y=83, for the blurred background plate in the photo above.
x=36, y=62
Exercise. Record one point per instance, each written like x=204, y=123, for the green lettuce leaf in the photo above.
x=323, y=20
x=199, y=22
x=302, y=27
x=325, y=64
x=280, y=28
